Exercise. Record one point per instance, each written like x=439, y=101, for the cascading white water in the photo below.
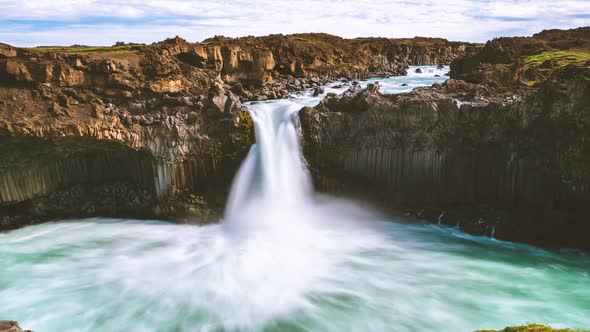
x=283, y=260
x=274, y=172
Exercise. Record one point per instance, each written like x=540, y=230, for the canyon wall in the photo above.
x=512, y=164
x=500, y=149
x=158, y=130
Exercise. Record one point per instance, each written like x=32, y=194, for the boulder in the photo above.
x=373, y=87
x=418, y=71
x=16, y=70
x=318, y=91
x=166, y=86
x=232, y=104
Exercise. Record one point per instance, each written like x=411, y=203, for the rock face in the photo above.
x=7, y=51
x=512, y=162
x=513, y=61
x=113, y=133
x=154, y=130
x=330, y=56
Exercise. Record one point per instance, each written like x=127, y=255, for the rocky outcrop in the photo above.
x=435, y=51
x=525, y=60
x=7, y=51
x=77, y=145
x=11, y=326
x=480, y=157
x=322, y=55
x=149, y=156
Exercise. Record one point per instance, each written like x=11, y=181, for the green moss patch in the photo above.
x=562, y=58
x=543, y=65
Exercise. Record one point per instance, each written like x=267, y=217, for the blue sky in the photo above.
x=103, y=22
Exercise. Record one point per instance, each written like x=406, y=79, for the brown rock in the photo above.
x=17, y=71
x=68, y=76
x=98, y=111
x=11, y=326
x=57, y=111
x=7, y=51
x=166, y=86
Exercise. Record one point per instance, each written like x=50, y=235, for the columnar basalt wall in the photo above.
x=489, y=159
x=148, y=154
x=443, y=177
x=45, y=176
x=43, y=179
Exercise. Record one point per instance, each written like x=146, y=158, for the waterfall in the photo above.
x=274, y=172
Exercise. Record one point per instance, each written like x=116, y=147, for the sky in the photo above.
x=104, y=22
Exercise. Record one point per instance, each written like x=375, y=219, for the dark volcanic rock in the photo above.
x=488, y=157
x=318, y=91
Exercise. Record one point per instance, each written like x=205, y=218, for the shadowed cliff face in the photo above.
x=190, y=150
x=512, y=162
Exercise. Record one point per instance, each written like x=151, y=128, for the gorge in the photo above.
x=158, y=132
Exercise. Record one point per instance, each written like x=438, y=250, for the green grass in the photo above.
x=208, y=43
x=562, y=57
x=532, y=328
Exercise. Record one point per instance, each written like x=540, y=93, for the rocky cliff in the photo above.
x=525, y=60
x=158, y=130
x=508, y=160
x=330, y=56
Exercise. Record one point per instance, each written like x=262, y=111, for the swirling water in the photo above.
x=284, y=259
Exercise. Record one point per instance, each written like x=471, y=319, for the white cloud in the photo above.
x=28, y=22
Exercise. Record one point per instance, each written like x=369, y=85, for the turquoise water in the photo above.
x=369, y=275
x=284, y=259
